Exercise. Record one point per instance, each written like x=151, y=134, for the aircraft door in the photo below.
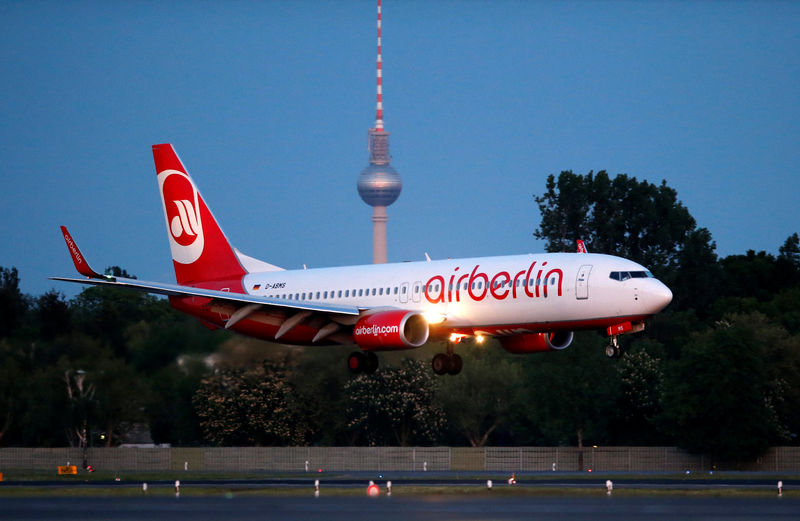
x=404, y=292
x=582, y=282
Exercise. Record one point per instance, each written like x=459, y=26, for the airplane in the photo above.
x=531, y=303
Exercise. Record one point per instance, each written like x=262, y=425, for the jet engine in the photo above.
x=389, y=330
x=536, y=342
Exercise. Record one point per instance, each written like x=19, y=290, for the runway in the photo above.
x=423, y=508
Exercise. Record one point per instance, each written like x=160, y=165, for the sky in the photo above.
x=268, y=104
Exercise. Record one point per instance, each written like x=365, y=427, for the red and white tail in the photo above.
x=200, y=251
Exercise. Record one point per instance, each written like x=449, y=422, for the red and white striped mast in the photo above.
x=379, y=77
x=379, y=184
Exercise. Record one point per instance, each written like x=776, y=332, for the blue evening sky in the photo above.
x=268, y=103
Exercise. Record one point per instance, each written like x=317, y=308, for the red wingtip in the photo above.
x=77, y=258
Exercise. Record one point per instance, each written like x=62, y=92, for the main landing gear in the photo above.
x=447, y=363
x=613, y=350
x=362, y=362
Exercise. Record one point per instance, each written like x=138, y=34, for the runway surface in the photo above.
x=423, y=508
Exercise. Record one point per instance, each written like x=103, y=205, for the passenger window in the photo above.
x=380, y=291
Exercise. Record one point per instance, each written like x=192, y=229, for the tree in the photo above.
x=695, y=281
x=394, y=406
x=170, y=413
x=639, y=402
x=570, y=394
x=13, y=304
x=120, y=398
x=106, y=312
x=53, y=314
x=250, y=407
x=621, y=216
x=11, y=402
x=718, y=397
x=483, y=396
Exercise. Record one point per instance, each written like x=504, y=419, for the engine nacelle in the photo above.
x=388, y=330
x=536, y=342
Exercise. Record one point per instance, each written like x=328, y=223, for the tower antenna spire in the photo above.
x=379, y=77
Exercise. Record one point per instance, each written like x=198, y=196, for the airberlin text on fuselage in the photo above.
x=501, y=285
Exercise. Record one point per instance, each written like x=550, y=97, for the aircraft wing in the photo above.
x=176, y=290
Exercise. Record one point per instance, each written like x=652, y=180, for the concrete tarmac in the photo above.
x=423, y=508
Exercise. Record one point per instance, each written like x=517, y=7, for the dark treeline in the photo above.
x=718, y=372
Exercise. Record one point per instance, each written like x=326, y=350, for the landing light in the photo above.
x=433, y=317
x=480, y=338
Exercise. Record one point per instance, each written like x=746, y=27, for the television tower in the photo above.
x=379, y=184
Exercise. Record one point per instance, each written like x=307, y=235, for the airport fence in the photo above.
x=312, y=459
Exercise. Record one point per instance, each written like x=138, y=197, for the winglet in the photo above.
x=79, y=260
x=581, y=246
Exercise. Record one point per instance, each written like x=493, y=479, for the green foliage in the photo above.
x=484, y=396
x=720, y=399
x=13, y=305
x=250, y=407
x=570, y=394
x=639, y=401
x=621, y=216
x=394, y=406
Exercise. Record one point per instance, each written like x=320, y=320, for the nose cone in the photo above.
x=658, y=296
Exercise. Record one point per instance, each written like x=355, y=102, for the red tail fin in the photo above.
x=200, y=251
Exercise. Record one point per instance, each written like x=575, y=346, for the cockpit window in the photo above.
x=625, y=275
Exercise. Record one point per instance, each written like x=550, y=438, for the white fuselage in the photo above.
x=494, y=295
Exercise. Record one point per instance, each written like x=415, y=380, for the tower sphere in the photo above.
x=379, y=185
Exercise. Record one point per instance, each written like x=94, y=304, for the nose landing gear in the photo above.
x=613, y=350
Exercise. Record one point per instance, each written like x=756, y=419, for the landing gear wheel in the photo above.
x=456, y=363
x=372, y=363
x=440, y=364
x=613, y=350
x=361, y=362
x=356, y=362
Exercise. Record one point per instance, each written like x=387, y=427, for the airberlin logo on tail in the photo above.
x=185, y=226
x=181, y=204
